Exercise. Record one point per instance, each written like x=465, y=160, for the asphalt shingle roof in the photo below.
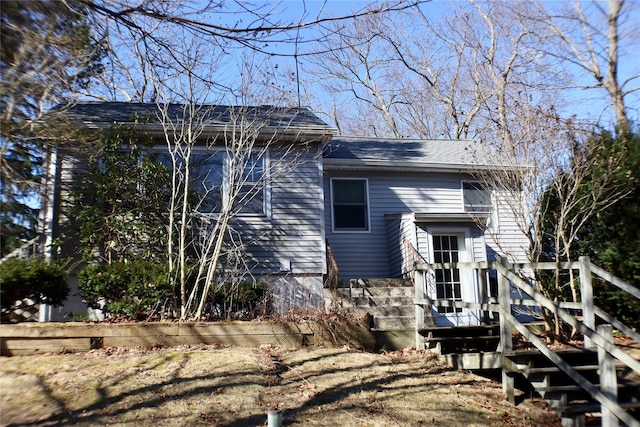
x=355, y=152
x=104, y=114
x=407, y=152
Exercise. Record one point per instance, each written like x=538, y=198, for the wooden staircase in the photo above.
x=562, y=392
x=599, y=382
x=461, y=339
x=388, y=302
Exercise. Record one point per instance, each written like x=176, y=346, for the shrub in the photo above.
x=131, y=289
x=42, y=282
x=242, y=300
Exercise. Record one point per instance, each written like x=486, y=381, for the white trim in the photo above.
x=469, y=287
x=368, y=204
x=323, y=227
x=266, y=190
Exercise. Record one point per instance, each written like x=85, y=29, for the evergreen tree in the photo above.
x=46, y=53
x=122, y=201
x=612, y=237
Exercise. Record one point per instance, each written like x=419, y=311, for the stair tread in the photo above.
x=572, y=387
x=562, y=351
x=471, y=332
x=551, y=388
x=458, y=338
x=552, y=369
x=594, y=407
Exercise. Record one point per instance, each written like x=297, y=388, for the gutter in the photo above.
x=276, y=133
x=387, y=166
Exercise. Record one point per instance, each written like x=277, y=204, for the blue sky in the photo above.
x=286, y=12
x=592, y=105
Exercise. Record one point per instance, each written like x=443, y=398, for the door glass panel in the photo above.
x=445, y=250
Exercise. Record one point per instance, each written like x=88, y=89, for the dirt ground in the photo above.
x=233, y=386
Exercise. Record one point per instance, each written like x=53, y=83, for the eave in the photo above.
x=280, y=134
x=446, y=217
x=388, y=166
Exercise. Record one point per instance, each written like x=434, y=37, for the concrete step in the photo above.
x=397, y=291
x=383, y=311
x=376, y=302
x=375, y=283
x=388, y=301
x=473, y=361
x=393, y=323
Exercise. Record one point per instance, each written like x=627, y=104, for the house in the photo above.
x=377, y=203
x=392, y=202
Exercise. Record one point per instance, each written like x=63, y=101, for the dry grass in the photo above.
x=235, y=386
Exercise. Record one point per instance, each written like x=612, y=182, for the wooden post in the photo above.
x=608, y=379
x=586, y=297
x=419, y=284
x=484, y=292
x=506, y=338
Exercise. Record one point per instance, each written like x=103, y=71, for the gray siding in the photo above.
x=507, y=237
x=400, y=239
x=373, y=253
x=290, y=239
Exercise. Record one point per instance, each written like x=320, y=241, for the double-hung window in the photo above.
x=207, y=179
x=477, y=198
x=213, y=182
x=350, y=204
x=251, y=193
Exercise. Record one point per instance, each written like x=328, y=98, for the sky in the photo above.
x=286, y=12
x=292, y=11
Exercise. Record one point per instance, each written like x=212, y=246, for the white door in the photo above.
x=452, y=283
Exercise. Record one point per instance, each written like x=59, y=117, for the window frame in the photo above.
x=468, y=207
x=260, y=154
x=367, y=218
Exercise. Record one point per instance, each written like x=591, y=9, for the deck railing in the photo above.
x=29, y=249
x=510, y=278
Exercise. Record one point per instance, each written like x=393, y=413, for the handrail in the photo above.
x=617, y=324
x=621, y=284
x=507, y=275
x=19, y=252
x=569, y=318
x=331, y=281
x=411, y=261
x=587, y=385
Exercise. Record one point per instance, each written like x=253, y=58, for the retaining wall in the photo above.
x=34, y=338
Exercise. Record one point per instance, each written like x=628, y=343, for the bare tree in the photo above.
x=591, y=39
x=222, y=160
x=156, y=28
x=219, y=173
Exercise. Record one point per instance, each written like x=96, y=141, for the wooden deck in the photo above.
x=598, y=378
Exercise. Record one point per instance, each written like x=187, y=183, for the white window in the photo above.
x=350, y=204
x=210, y=178
x=477, y=198
x=251, y=195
